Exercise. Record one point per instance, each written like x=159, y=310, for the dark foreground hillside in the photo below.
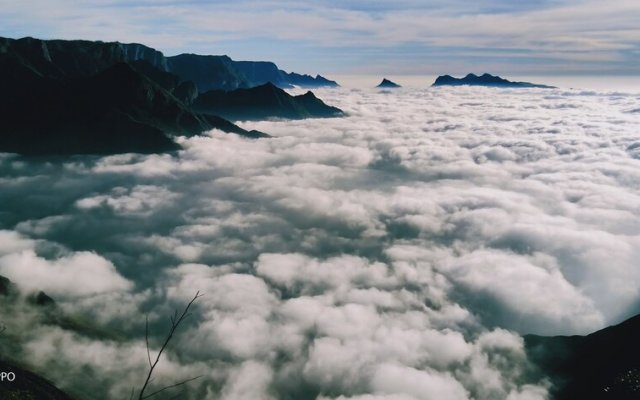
x=604, y=365
x=28, y=386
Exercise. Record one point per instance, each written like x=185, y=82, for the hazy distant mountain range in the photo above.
x=484, y=80
x=70, y=97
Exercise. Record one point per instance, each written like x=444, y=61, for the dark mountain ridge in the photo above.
x=207, y=72
x=231, y=75
x=83, y=97
x=484, y=80
x=115, y=111
x=83, y=57
x=260, y=102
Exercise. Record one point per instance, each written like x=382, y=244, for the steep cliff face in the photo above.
x=63, y=59
x=207, y=72
x=136, y=51
x=261, y=72
x=72, y=58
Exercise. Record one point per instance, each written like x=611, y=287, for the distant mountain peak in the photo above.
x=386, y=83
x=310, y=95
x=268, y=85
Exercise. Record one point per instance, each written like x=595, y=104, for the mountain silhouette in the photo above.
x=47, y=110
x=387, y=84
x=483, y=80
x=92, y=97
x=265, y=101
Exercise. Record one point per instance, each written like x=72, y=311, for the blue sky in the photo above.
x=402, y=37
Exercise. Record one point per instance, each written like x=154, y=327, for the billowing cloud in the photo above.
x=78, y=274
x=395, y=254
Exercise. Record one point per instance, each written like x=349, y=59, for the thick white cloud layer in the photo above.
x=395, y=254
x=78, y=274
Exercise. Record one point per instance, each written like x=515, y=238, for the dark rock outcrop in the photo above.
x=604, y=365
x=42, y=299
x=387, y=84
x=483, y=80
x=6, y=286
x=266, y=101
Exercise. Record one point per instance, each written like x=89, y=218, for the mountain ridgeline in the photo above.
x=84, y=97
x=261, y=102
x=84, y=58
x=484, y=80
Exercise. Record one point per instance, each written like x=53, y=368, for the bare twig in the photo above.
x=176, y=320
x=2, y=329
x=146, y=339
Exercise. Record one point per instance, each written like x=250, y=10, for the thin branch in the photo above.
x=146, y=339
x=175, y=323
x=172, y=386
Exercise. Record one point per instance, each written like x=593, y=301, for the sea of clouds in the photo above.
x=395, y=254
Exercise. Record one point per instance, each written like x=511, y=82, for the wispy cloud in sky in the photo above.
x=415, y=37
